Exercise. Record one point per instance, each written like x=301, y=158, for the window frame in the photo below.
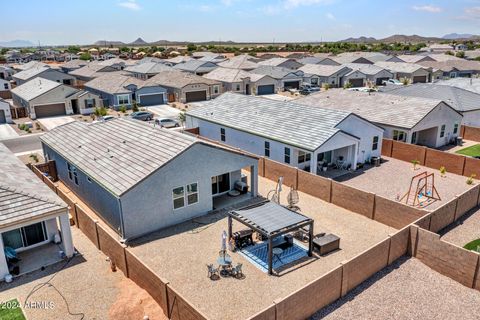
x=287, y=155
x=375, y=143
x=223, y=136
x=304, y=156
x=187, y=193
x=216, y=89
x=178, y=197
x=399, y=133
x=455, y=128
x=72, y=173
x=442, y=130
x=266, y=149
x=121, y=96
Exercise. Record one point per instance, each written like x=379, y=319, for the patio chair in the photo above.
x=213, y=273
x=237, y=271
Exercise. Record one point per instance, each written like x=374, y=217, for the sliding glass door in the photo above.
x=221, y=183
x=25, y=236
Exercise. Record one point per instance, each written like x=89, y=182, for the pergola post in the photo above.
x=229, y=228
x=310, y=239
x=270, y=254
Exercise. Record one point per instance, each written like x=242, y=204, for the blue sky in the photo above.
x=83, y=22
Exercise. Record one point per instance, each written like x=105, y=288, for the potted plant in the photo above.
x=443, y=171
x=415, y=163
x=470, y=179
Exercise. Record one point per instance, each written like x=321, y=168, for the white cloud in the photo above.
x=330, y=16
x=288, y=4
x=130, y=4
x=427, y=8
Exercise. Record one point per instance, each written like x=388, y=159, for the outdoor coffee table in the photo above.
x=224, y=262
x=277, y=252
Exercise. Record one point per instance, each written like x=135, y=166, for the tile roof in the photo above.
x=348, y=57
x=179, y=79
x=368, y=69
x=31, y=64
x=195, y=66
x=400, y=67
x=242, y=61
x=470, y=84
x=322, y=70
x=30, y=73
x=274, y=61
x=114, y=83
x=23, y=196
x=88, y=71
x=459, y=99
x=276, y=72
x=449, y=65
x=74, y=64
x=380, y=108
x=129, y=150
x=291, y=123
x=179, y=59
x=148, y=68
x=34, y=88
x=227, y=75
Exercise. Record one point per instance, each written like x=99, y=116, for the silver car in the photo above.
x=166, y=123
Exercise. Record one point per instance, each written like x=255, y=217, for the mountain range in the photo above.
x=17, y=43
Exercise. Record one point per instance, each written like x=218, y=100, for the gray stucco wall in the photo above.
x=149, y=205
x=102, y=201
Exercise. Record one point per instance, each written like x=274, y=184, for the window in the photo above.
x=221, y=183
x=442, y=131
x=287, y=155
x=192, y=193
x=414, y=137
x=5, y=85
x=216, y=89
x=399, y=135
x=89, y=179
x=222, y=134
x=267, y=149
x=89, y=103
x=375, y=143
x=303, y=156
x=178, y=195
x=237, y=88
x=123, y=99
x=72, y=173
x=25, y=236
x=455, y=128
x=314, y=81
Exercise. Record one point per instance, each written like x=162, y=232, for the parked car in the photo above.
x=142, y=115
x=392, y=81
x=107, y=118
x=307, y=91
x=166, y=123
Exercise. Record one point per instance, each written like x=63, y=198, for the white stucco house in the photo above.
x=32, y=217
x=301, y=136
x=5, y=114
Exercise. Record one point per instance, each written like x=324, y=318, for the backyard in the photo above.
x=472, y=151
x=465, y=232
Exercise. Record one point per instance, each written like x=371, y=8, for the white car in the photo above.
x=166, y=123
x=392, y=81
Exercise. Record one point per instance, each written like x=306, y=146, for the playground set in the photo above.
x=422, y=191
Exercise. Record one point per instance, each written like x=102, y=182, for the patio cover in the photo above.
x=271, y=220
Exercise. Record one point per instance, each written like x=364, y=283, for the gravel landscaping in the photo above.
x=179, y=254
x=88, y=287
x=406, y=290
x=392, y=179
x=464, y=230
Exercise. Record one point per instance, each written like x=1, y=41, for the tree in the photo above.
x=73, y=49
x=460, y=54
x=124, y=49
x=85, y=56
x=191, y=47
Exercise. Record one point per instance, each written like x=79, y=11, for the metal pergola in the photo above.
x=271, y=220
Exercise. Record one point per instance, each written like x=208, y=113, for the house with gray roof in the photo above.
x=45, y=73
x=243, y=62
x=28, y=65
x=45, y=98
x=241, y=81
x=187, y=87
x=121, y=90
x=139, y=178
x=360, y=57
x=32, y=217
x=309, y=138
x=6, y=72
x=429, y=122
x=362, y=73
x=198, y=67
x=411, y=71
x=319, y=74
x=146, y=70
x=73, y=65
x=454, y=68
x=281, y=62
x=464, y=101
x=470, y=84
x=286, y=78
x=318, y=60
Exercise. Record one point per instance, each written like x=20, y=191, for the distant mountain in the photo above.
x=409, y=39
x=17, y=43
x=138, y=42
x=104, y=43
x=455, y=36
x=360, y=40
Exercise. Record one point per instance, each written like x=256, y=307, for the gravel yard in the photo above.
x=88, y=285
x=180, y=254
x=464, y=230
x=406, y=290
x=392, y=178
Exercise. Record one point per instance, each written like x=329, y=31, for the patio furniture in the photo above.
x=237, y=271
x=327, y=243
x=277, y=252
x=243, y=238
x=341, y=164
x=272, y=221
x=212, y=272
x=224, y=262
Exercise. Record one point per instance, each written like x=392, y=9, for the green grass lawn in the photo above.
x=472, y=151
x=11, y=310
x=472, y=245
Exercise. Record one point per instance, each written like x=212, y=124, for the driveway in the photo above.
x=277, y=97
x=164, y=111
x=7, y=132
x=50, y=123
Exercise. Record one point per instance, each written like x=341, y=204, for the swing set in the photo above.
x=422, y=190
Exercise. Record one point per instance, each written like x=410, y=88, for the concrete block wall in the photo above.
x=273, y=170
x=470, y=133
x=314, y=185
x=408, y=152
x=395, y=214
x=443, y=216
x=112, y=248
x=87, y=225
x=353, y=199
x=452, y=162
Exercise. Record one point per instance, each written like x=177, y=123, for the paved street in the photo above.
x=23, y=144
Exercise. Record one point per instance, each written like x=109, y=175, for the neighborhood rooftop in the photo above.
x=128, y=151
x=400, y=67
x=459, y=99
x=179, y=79
x=29, y=73
x=381, y=108
x=321, y=69
x=148, y=68
x=22, y=195
x=291, y=123
x=113, y=83
x=34, y=88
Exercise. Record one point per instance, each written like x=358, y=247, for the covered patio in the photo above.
x=272, y=222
